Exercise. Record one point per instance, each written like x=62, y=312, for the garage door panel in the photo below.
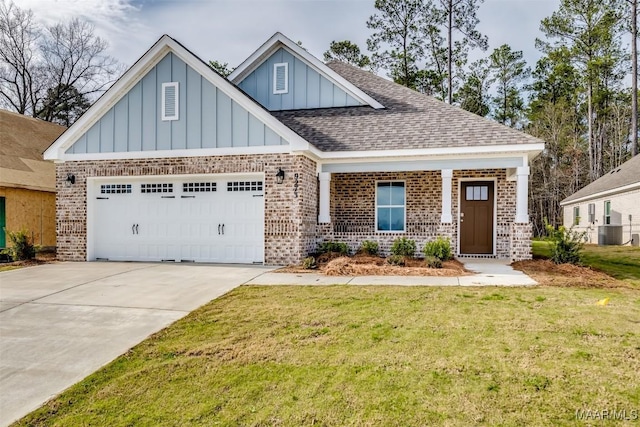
x=193, y=220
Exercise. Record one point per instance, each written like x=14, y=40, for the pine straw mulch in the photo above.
x=546, y=273
x=333, y=264
x=41, y=258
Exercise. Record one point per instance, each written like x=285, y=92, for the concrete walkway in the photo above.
x=61, y=322
x=488, y=272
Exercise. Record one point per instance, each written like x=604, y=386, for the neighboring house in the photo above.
x=177, y=163
x=611, y=200
x=27, y=181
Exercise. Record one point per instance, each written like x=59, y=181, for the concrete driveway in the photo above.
x=61, y=322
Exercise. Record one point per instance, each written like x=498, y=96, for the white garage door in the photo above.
x=199, y=219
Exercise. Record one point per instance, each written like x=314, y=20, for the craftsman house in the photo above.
x=176, y=163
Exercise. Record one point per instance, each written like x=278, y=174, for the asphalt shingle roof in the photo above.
x=626, y=174
x=409, y=120
x=22, y=141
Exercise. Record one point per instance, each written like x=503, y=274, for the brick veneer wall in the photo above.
x=353, y=210
x=289, y=220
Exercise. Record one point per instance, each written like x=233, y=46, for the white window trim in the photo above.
x=177, y=101
x=605, y=216
x=275, y=78
x=404, y=221
x=576, y=215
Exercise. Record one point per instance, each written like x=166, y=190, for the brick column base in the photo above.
x=521, y=234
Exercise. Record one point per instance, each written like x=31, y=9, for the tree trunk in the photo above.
x=592, y=152
x=634, y=77
x=450, y=54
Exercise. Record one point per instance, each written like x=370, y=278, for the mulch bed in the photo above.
x=334, y=264
x=546, y=273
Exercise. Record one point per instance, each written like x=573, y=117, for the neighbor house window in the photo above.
x=607, y=212
x=576, y=215
x=280, y=78
x=390, y=206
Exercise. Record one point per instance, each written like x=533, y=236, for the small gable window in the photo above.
x=281, y=78
x=170, y=101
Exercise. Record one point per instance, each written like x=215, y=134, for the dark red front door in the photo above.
x=476, y=217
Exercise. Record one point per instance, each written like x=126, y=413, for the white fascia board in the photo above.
x=628, y=187
x=196, y=152
x=130, y=78
x=277, y=40
x=474, y=151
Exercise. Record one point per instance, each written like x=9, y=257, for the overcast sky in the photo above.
x=230, y=30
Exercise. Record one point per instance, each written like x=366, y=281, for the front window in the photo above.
x=576, y=215
x=607, y=212
x=390, y=206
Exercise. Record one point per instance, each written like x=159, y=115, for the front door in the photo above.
x=476, y=217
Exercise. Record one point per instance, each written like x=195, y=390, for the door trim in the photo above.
x=495, y=212
x=94, y=181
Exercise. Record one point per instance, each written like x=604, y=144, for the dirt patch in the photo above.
x=41, y=258
x=546, y=273
x=333, y=264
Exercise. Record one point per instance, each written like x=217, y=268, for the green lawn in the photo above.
x=374, y=356
x=621, y=262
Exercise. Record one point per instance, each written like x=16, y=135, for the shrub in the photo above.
x=403, y=247
x=566, y=244
x=339, y=247
x=439, y=248
x=369, y=247
x=22, y=248
x=432, y=261
x=309, y=263
x=396, y=260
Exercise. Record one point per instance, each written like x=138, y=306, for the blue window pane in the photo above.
x=397, y=193
x=397, y=219
x=384, y=219
x=384, y=194
x=469, y=193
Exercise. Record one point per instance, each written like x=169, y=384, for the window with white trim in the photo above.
x=576, y=215
x=280, y=78
x=170, y=101
x=607, y=212
x=390, y=206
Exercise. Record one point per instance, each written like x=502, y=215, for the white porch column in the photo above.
x=446, y=216
x=522, y=208
x=324, y=216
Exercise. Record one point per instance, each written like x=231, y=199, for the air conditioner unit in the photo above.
x=610, y=235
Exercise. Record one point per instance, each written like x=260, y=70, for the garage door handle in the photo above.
x=258, y=195
x=223, y=229
x=137, y=228
x=218, y=229
x=187, y=197
x=102, y=198
x=168, y=197
x=133, y=229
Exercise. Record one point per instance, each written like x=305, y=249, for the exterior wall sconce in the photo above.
x=280, y=176
x=71, y=179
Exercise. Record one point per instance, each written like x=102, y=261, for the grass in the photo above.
x=621, y=262
x=346, y=355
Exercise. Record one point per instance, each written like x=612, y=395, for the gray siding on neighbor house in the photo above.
x=208, y=118
x=307, y=88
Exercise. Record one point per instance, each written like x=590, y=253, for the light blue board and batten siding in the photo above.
x=307, y=88
x=208, y=118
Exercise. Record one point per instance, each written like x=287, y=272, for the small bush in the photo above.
x=566, y=244
x=403, y=247
x=439, y=248
x=339, y=247
x=369, y=247
x=432, y=262
x=22, y=248
x=396, y=260
x=309, y=263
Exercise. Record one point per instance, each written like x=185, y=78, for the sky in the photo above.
x=230, y=30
